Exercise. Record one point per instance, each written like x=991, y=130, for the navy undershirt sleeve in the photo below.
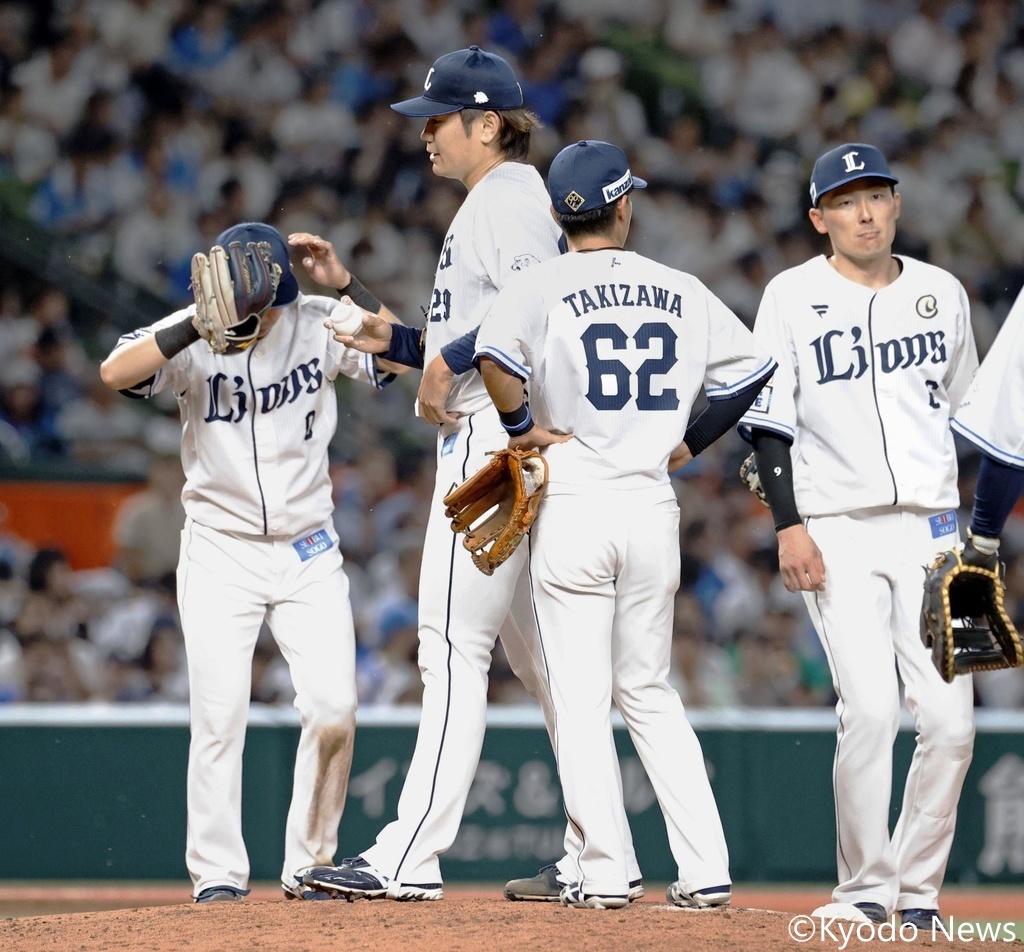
x=998, y=489
x=718, y=417
x=458, y=355
x=775, y=469
x=405, y=346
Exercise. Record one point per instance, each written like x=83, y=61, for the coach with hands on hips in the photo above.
x=854, y=451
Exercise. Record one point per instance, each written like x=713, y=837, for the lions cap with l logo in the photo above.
x=854, y=160
x=465, y=79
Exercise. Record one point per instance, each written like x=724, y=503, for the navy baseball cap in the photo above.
x=589, y=174
x=849, y=162
x=465, y=79
x=288, y=289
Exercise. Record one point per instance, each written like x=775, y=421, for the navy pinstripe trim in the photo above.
x=874, y=394
x=448, y=698
x=1003, y=456
x=252, y=431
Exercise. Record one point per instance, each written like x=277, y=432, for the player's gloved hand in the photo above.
x=432, y=396
x=750, y=475
x=321, y=260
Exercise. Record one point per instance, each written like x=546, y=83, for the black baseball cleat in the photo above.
x=357, y=879
x=221, y=894
x=923, y=919
x=548, y=884
x=875, y=911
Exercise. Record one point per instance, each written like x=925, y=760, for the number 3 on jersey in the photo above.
x=600, y=368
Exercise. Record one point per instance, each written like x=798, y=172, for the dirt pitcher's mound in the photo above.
x=453, y=925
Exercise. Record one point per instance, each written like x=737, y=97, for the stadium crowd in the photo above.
x=134, y=131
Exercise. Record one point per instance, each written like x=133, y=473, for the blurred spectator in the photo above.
x=102, y=428
x=163, y=661
x=387, y=670
x=24, y=413
x=59, y=663
x=604, y=106
x=769, y=671
x=58, y=384
x=701, y=671
x=271, y=679
x=147, y=527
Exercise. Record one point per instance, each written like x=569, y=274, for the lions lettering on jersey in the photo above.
x=231, y=406
x=895, y=354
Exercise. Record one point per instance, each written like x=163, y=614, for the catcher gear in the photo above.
x=233, y=289
x=967, y=585
x=511, y=483
x=749, y=475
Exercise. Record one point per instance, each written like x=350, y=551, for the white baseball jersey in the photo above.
x=257, y=424
x=991, y=415
x=873, y=377
x=503, y=227
x=641, y=340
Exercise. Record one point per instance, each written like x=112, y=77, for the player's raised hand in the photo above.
x=537, y=437
x=433, y=393
x=321, y=260
x=800, y=562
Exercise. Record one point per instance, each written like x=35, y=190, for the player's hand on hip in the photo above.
x=800, y=562
x=371, y=336
x=320, y=260
x=536, y=437
x=435, y=386
x=679, y=457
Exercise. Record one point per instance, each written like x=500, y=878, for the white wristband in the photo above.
x=983, y=544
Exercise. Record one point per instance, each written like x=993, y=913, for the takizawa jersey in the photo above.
x=257, y=423
x=502, y=228
x=873, y=378
x=991, y=415
x=640, y=341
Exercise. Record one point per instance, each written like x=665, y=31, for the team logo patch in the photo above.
x=927, y=306
x=448, y=446
x=944, y=524
x=313, y=545
x=763, y=401
x=524, y=261
x=574, y=200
